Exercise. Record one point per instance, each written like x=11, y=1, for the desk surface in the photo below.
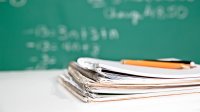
x=39, y=91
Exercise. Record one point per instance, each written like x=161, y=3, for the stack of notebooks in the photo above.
x=96, y=80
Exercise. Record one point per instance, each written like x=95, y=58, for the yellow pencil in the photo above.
x=157, y=64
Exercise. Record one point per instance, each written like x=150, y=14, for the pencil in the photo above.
x=158, y=64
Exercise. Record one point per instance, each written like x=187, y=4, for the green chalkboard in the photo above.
x=47, y=34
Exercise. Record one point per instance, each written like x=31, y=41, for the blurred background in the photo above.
x=48, y=34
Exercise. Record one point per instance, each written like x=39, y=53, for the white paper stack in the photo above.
x=96, y=80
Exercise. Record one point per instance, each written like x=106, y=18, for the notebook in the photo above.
x=106, y=66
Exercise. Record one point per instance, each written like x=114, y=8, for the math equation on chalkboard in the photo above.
x=39, y=34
